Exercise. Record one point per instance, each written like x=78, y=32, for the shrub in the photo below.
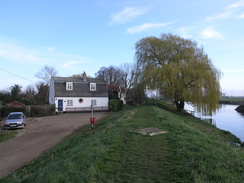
x=240, y=108
x=42, y=110
x=51, y=109
x=36, y=112
x=115, y=105
x=8, y=109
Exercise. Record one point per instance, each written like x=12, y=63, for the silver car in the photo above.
x=15, y=120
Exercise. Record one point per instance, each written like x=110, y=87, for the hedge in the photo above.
x=8, y=109
x=115, y=104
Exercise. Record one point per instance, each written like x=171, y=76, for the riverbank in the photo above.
x=231, y=100
x=189, y=150
x=240, y=109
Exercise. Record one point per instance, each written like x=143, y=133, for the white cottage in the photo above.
x=78, y=94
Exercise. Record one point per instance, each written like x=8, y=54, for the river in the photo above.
x=226, y=118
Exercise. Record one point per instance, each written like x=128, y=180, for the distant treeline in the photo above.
x=232, y=100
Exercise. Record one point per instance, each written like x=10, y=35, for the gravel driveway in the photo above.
x=38, y=136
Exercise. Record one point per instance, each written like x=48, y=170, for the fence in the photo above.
x=30, y=111
x=86, y=109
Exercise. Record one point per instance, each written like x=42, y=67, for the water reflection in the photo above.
x=241, y=114
x=226, y=118
x=209, y=120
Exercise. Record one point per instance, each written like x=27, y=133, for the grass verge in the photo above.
x=191, y=151
x=7, y=134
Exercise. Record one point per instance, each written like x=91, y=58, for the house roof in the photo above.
x=16, y=104
x=81, y=88
x=114, y=87
x=77, y=79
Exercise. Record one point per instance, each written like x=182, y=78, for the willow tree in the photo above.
x=180, y=69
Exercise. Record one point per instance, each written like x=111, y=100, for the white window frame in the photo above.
x=94, y=102
x=93, y=87
x=69, y=102
x=69, y=86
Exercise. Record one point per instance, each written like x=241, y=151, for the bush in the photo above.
x=51, y=109
x=240, y=109
x=42, y=110
x=36, y=112
x=115, y=105
x=8, y=109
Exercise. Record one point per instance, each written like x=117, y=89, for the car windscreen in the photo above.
x=14, y=116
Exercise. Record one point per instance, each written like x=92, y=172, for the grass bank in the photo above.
x=191, y=151
x=6, y=134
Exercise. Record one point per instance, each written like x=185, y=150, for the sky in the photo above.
x=74, y=36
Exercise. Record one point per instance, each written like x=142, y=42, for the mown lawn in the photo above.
x=191, y=151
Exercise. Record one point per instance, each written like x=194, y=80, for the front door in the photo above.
x=60, y=105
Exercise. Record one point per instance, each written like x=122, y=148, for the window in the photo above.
x=70, y=102
x=69, y=86
x=94, y=102
x=93, y=86
x=81, y=100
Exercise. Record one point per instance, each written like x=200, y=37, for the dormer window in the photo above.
x=69, y=86
x=92, y=86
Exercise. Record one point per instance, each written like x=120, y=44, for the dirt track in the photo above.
x=38, y=136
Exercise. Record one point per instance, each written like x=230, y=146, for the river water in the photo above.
x=226, y=118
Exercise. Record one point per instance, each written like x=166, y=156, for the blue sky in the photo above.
x=77, y=35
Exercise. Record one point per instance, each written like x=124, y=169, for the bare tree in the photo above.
x=46, y=73
x=102, y=74
x=128, y=75
x=42, y=94
x=30, y=94
x=110, y=74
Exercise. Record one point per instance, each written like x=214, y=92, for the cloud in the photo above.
x=15, y=52
x=71, y=65
x=183, y=32
x=233, y=70
x=220, y=16
x=241, y=16
x=51, y=49
x=48, y=55
x=209, y=33
x=236, y=5
x=128, y=14
x=74, y=62
x=145, y=27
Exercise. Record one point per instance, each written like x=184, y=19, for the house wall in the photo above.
x=100, y=102
x=122, y=97
x=51, y=92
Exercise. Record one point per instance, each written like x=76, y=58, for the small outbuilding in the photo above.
x=16, y=104
x=117, y=92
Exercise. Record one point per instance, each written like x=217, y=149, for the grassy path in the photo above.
x=191, y=151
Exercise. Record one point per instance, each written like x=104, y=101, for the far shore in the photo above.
x=232, y=100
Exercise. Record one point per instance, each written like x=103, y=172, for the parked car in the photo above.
x=15, y=120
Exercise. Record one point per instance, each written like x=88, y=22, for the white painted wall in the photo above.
x=101, y=101
x=51, y=92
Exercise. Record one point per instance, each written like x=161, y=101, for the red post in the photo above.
x=93, y=120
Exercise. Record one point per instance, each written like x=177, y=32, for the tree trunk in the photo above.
x=180, y=105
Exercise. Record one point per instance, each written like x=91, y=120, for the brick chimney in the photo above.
x=84, y=76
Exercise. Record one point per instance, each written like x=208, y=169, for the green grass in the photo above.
x=191, y=151
x=7, y=134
